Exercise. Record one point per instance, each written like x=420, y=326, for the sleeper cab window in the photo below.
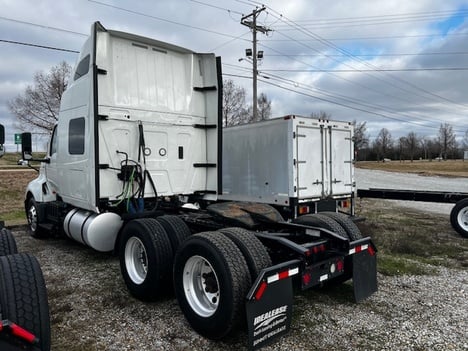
x=76, y=136
x=82, y=68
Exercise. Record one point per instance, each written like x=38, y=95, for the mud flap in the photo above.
x=269, y=304
x=364, y=274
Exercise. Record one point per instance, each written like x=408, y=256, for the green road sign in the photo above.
x=17, y=139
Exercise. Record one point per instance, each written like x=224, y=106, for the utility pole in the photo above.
x=251, y=22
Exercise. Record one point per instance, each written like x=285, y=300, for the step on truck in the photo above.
x=134, y=167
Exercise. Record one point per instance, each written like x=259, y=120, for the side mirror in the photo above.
x=26, y=146
x=2, y=134
x=2, y=140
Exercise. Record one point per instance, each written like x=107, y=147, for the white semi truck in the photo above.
x=135, y=164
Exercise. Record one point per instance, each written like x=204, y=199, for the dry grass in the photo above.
x=12, y=186
x=449, y=168
x=411, y=241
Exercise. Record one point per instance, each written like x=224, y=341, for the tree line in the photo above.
x=409, y=147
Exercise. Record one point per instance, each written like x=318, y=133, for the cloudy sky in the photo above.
x=398, y=64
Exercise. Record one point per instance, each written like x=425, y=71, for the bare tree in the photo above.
x=234, y=107
x=383, y=144
x=320, y=115
x=446, y=140
x=38, y=107
x=465, y=141
x=361, y=138
x=411, y=144
x=264, y=108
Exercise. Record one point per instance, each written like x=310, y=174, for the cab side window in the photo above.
x=82, y=69
x=76, y=136
x=53, y=142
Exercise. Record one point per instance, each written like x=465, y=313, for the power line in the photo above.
x=379, y=37
x=360, y=18
x=217, y=7
x=42, y=26
x=351, y=107
x=380, y=20
x=380, y=55
x=164, y=19
x=350, y=55
x=363, y=86
x=357, y=70
x=334, y=95
x=38, y=46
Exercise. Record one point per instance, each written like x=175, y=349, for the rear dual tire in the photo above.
x=211, y=281
x=145, y=258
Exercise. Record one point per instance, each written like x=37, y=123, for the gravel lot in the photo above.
x=92, y=310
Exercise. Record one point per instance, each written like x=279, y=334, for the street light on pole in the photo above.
x=251, y=22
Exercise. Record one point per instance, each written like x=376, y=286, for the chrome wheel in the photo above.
x=136, y=260
x=32, y=218
x=462, y=219
x=201, y=286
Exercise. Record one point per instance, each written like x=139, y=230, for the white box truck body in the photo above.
x=290, y=160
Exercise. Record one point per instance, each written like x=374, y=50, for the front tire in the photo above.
x=459, y=217
x=211, y=281
x=35, y=229
x=145, y=258
x=23, y=296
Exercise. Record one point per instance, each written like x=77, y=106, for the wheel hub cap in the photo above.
x=201, y=286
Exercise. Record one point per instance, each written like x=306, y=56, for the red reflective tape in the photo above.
x=261, y=290
x=284, y=274
x=358, y=248
x=371, y=250
x=22, y=333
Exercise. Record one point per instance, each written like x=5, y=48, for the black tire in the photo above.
x=348, y=225
x=146, y=258
x=35, y=230
x=7, y=243
x=255, y=254
x=211, y=282
x=176, y=230
x=320, y=220
x=23, y=296
x=459, y=217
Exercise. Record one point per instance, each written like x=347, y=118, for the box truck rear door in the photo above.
x=310, y=157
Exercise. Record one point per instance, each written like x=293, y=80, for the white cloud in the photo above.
x=381, y=93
